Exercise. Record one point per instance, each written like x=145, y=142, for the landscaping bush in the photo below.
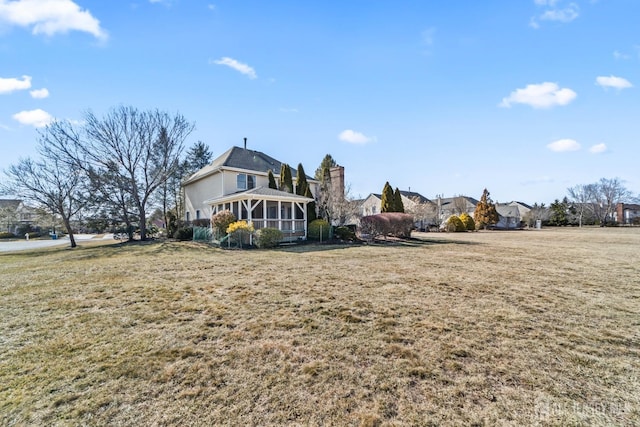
x=268, y=238
x=7, y=235
x=316, y=227
x=184, y=233
x=469, y=223
x=240, y=231
x=384, y=224
x=221, y=222
x=455, y=224
x=344, y=233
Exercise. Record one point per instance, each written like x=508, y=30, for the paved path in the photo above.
x=22, y=245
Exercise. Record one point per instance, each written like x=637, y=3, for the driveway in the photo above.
x=22, y=245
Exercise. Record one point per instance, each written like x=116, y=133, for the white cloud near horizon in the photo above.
x=564, y=145
x=50, y=17
x=543, y=95
x=598, y=148
x=12, y=84
x=353, y=137
x=36, y=118
x=39, y=93
x=236, y=65
x=613, y=82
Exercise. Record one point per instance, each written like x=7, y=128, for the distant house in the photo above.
x=13, y=214
x=509, y=216
x=627, y=214
x=238, y=181
x=447, y=206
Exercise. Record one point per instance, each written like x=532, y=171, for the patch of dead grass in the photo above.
x=484, y=328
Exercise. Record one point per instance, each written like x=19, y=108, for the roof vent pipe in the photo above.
x=245, y=143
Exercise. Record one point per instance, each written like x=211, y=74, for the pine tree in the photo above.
x=485, y=213
x=301, y=181
x=272, y=180
x=197, y=157
x=311, y=206
x=386, y=204
x=398, y=205
x=286, y=182
x=323, y=170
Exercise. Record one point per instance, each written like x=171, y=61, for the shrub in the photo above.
x=221, y=222
x=455, y=224
x=268, y=238
x=344, y=233
x=7, y=235
x=316, y=227
x=469, y=223
x=389, y=223
x=184, y=233
x=240, y=231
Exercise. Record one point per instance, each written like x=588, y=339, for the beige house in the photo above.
x=238, y=181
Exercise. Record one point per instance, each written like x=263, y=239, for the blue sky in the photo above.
x=523, y=97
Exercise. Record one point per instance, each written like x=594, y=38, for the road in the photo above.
x=22, y=245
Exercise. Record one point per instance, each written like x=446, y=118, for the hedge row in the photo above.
x=386, y=224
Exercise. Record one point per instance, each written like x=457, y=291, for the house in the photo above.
x=627, y=213
x=238, y=181
x=13, y=214
x=447, y=206
x=509, y=216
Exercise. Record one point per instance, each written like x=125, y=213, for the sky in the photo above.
x=523, y=97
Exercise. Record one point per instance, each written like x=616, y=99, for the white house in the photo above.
x=238, y=181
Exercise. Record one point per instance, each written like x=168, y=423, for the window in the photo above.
x=197, y=214
x=187, y=218
x=246, y=182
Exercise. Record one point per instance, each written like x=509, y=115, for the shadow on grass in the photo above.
x=398, y=243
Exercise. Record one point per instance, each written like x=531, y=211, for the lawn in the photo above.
x=488, y=328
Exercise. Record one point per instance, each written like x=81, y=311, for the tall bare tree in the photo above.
x=129, y=155
x=52, y=182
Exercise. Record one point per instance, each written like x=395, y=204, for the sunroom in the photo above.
x=266, y=207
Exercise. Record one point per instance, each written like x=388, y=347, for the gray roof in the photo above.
x=447, y=200
x=241, y=158
x=260, y=193
x=412, y=195
x=507, y=211
x=10, y=203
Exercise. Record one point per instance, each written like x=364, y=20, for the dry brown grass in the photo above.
x=489, y=328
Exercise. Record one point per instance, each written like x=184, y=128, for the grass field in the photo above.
x=489, y=328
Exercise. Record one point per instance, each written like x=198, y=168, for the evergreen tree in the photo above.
x=485, y=213
x=311, y=206
x=272, y=180
x=197, y=157
x=301, y=181
x=286, y=181
x=323, y=170
x=559, y=212
x=387, y=202
x=398, y=205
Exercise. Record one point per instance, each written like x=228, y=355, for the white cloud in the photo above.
x=598, y=148
x=554, y=12
x=50, y=17
x=620, y=55
x=12, y=84
x=614, y=82
x=563, y=145
x=354, y=137
x=37, y=118
x=40, y=93
x=238, y=66
x=543, y=95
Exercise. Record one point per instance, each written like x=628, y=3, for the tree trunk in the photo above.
x=67, y=225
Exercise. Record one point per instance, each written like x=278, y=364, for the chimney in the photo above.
x=245, y=143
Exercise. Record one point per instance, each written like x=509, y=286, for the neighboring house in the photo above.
x=410, y=200
x=447, y=206
x=509, y=216
x=238, y=181
x=523, y=208
x=627, y=213
x=13, y=214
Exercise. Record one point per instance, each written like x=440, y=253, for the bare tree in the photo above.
x=51, y=182
x=459, y=205
x=425, y=214
x=582, y=195
x=129, y=155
